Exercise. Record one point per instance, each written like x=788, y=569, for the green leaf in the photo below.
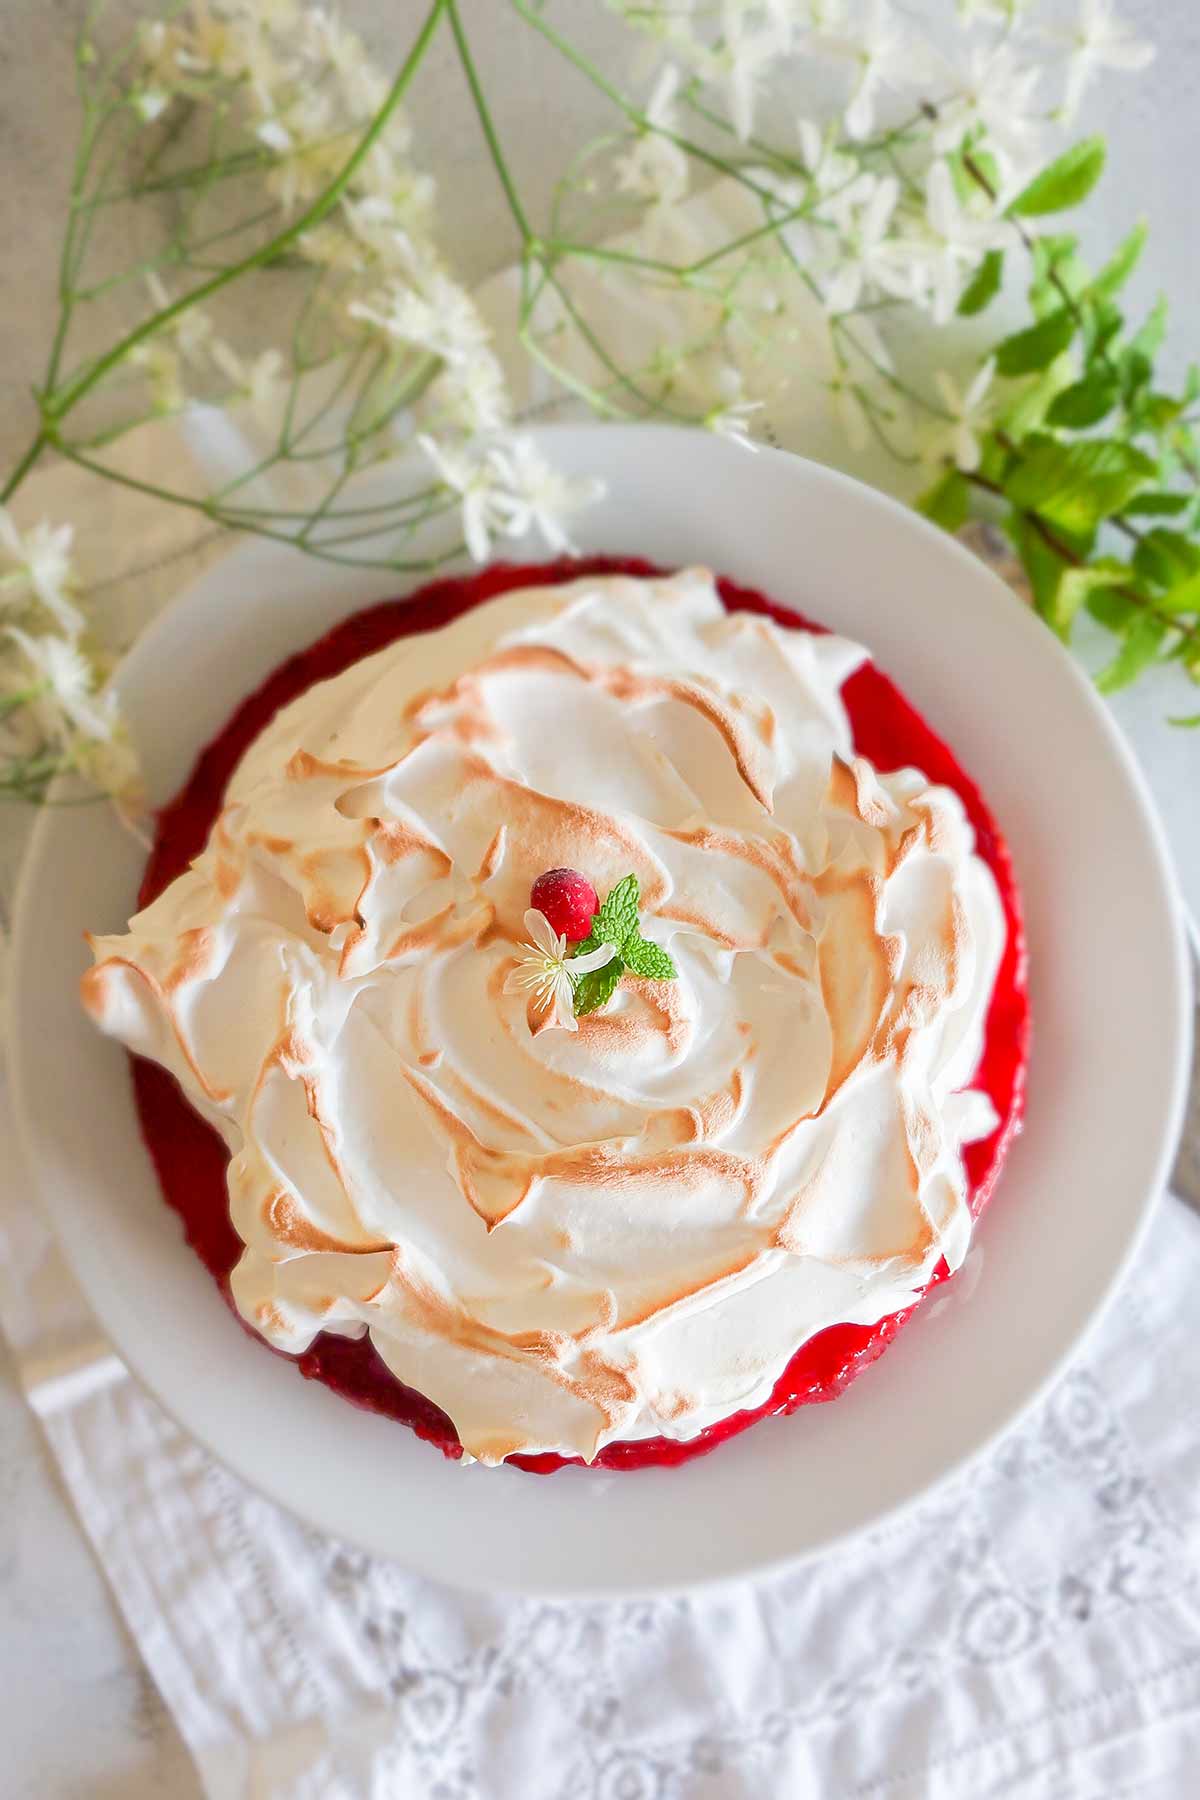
x=1157, y=505
x=1044, y=566
x=983, y=285
x=1121, y=264
x=1086, y=402
x=1037, y=346
x=1077, y=485
x=617, y=923
x=645, y=958
x=597, y=988
x=1030, y=400
x=1189, y=723
x=1138, y=651
x=1112, y=610
x=618, y=916
x=1149, y=339
x=1069, y=179
x=1166, y=557
x=1079, y=585
x=1184, y=597
x=948, y=502
x=1102, y=323
x=1056, y=265
x=1154, y=412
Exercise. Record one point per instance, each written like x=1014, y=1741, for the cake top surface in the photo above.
x=570, y=1238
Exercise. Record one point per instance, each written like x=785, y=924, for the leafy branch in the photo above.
x=1060, y=485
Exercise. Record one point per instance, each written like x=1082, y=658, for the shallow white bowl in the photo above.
x=1106, y=1088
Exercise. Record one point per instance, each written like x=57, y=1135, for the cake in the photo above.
x=621, y=1236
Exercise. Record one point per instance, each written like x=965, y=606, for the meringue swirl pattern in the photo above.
x=573, y=1239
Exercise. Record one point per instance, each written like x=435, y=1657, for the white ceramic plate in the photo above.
x=1106, y=1087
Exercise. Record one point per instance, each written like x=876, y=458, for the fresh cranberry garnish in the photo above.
x=568, y=900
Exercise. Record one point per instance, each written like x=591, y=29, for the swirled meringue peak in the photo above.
x=570, y=1239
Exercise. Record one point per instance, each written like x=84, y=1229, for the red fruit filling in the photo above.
x=190, y=1158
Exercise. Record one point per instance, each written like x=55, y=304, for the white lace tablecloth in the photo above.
x=1033, y=1630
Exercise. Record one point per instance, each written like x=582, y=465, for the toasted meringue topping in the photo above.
x=566, y=1239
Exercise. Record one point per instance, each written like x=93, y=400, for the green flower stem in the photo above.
x=771, y=228
x=840, y=328
x=57, y=407
x=609, y=253
x=210, y=509
x=227, y=168
x=249, y=513
x=79, y=174
x=23, y=467
x=532, y=16
x=621, y=377
x=14, y=702
x=486, y=125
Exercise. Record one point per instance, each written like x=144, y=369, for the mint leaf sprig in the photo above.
x=617, y=923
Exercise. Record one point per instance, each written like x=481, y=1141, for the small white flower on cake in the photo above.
x=545, y=971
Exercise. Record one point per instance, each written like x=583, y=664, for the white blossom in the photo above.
x=39, y=560
x=333, y=247
x=837, y=182
x=270, y=15
x=191, y=328
x=257, y=381
x=733, y=421
x=993, y=12
x=992, y=91
x=969, y=413
x=549, y=973
x=470, y=473
x=310, y=146
x=1098, y=40
x=404, y=197
x=867, y=257
x=471, y=394
x=66, y=684
x=825, y=15
x=149, y=103
x=214, y=45
x=954, y=243
x=158, y=46
x=328, y=43
x=442, y=320
x=881, y=52
x=655, y=168
x=534, y=495
x=748, y=51
x=161, y=366
x=507, y=490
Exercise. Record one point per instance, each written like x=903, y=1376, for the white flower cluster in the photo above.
x=55, y=710
x=736, y=48
x=310, y=91
x=893, y=202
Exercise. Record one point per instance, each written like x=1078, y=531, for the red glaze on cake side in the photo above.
x=190, y=1159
